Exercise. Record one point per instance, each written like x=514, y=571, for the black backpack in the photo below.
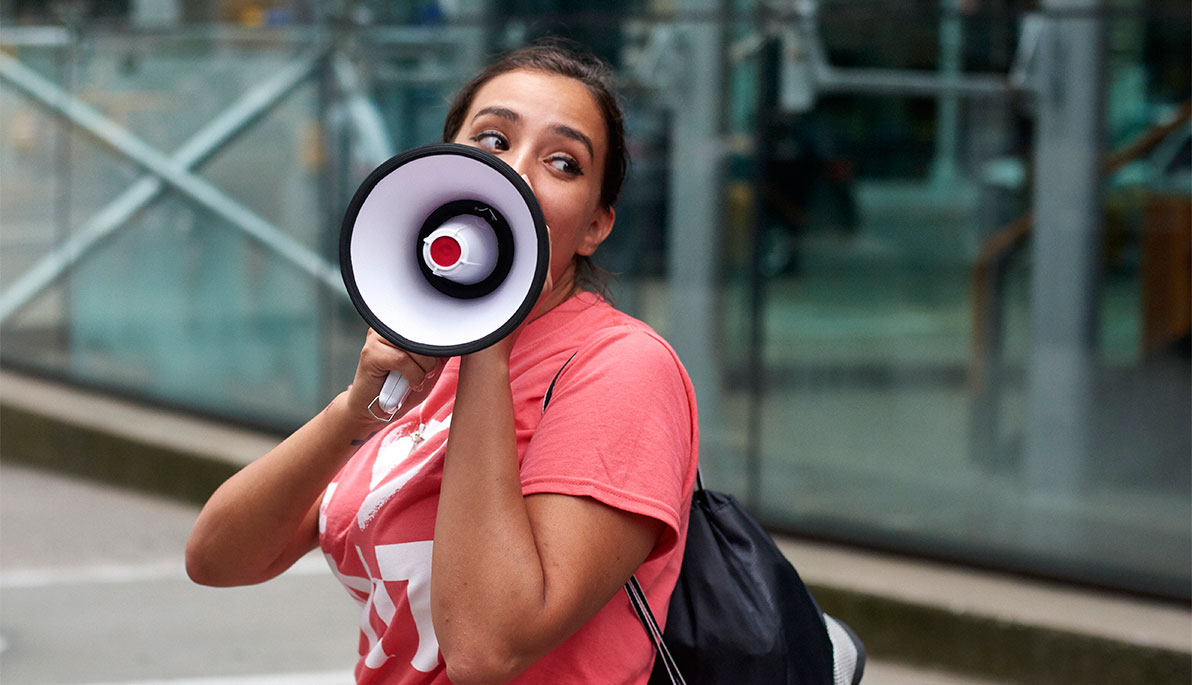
x=740, y=613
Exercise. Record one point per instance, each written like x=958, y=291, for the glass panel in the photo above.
x=174, y=302
x=868, y=376
x=898, y=335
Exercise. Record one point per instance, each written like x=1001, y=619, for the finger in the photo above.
x=431, y=375
x=423, y=362
x=379, y=357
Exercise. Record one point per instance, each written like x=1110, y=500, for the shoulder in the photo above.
x=629, y=340
x=589, y=347
x=613, y=332
x=621, y=424
x=625, y=345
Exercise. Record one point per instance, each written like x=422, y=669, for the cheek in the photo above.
x=564, y=219
x=568, y=211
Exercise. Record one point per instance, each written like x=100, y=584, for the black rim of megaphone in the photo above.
x=349, y=222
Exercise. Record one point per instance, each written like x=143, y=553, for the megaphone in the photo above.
x=444, y=251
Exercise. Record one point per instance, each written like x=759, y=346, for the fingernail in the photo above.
x=430, y=376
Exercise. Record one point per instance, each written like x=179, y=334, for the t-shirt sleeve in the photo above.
x=618, y=429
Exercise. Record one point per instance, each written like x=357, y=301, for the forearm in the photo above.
x=488, y=583
x=514, y=576
x=262, y=519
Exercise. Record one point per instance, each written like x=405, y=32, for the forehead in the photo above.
x=544, y=99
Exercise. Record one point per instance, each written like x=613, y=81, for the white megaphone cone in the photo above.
x=444, y=251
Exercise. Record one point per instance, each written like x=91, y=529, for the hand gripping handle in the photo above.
x=392, y=394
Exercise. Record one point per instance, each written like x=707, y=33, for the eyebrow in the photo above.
x=568, y=132
x=501, y=112
x=559, y=129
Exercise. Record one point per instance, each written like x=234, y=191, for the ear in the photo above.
x=597, y=230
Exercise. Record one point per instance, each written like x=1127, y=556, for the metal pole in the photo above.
x=1066, y=251
x=201, y=192
x=367, y=122
x=199, y=148
x=693, y=232
x=767, y=107
x=909, y=83
x=947, y=114
x=898, y=82
x=64, y=161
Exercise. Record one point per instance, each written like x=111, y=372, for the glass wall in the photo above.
x=925, y=311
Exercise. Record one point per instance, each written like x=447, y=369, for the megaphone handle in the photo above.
x=393, y=392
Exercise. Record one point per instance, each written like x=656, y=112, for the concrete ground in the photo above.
x=92, y=590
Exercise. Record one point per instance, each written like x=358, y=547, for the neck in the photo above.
x=562, y=288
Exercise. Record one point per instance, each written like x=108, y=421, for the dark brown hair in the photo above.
x=562, y=58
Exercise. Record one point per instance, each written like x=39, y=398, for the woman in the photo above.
x=532, y=519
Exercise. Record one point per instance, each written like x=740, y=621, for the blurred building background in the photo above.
x=929, y=263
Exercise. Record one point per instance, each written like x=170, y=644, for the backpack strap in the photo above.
x=550, y=390
x=637, y=596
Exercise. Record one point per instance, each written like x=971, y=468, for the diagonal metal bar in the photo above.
x=169, y=171
x=362, y=112
x=108, y=221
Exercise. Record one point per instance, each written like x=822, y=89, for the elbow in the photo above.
x=198, y=565
x=214, y=570
x=482, y=664
x=479, y=672
x=203, y=565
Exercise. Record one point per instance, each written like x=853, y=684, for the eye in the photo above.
x=492, y=141
x=566, y=165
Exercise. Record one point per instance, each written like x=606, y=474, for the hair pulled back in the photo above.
x=563, y=59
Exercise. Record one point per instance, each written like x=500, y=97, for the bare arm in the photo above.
x=514, y=576
x=264, y=518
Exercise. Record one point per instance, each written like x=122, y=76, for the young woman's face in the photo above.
x=550, y=130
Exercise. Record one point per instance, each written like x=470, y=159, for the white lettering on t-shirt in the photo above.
x=379, y=601
x=410, y=561
x=397, y=462
x=392, y=455
x=327, y=495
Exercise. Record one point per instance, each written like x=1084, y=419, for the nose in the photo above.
x=521, y=161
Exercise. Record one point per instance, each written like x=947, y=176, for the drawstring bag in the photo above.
x=740, y=613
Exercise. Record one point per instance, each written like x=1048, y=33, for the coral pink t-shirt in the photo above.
x=621, y=427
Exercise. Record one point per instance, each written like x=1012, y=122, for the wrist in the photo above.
x=488, y=360
x=343, y=419
x=479, y=369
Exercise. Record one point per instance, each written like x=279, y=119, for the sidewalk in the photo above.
x=120, y=552
x=921, y=622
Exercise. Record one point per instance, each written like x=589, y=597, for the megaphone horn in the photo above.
x=444, y=251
